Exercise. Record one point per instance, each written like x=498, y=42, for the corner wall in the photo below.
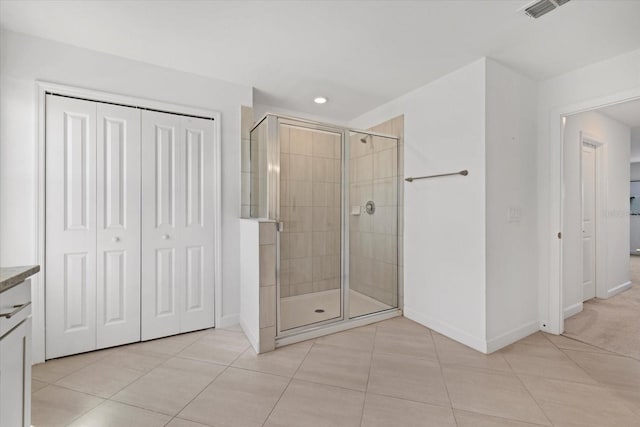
x=512, y=256
x=444, y=243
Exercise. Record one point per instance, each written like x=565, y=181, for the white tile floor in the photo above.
x=393, y=373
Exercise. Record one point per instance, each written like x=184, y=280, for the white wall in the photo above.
x=616, y=138
x=634, y=172
x=25, y=59
x=444, y=242
x=607, y=80
x=635, y=144
x=512, y=256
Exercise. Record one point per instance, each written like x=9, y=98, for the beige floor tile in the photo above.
x=178, y=422
x=114, y=414
x=609, y=369
x=52, y=370
x=451, y=352
x=282, y=361
x=57, y=406
x=136, y=360
x=384, y=411
x=357, y=339
x=336, y=366
x=544, y=361
x=405, y=344
x=566, y=343
x=630, y=397
x=237, y=398
x=491, y=393
x=317, y=405
x=407, y=378
x=220, y=347
x=575, y=404
x=402, y=325
x=100, y=379
x=37, y=385
x=472, y=419
x=169, y=387
x=537, y=338
x=169, y=346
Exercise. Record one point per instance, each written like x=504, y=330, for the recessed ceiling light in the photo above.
x=320, y=100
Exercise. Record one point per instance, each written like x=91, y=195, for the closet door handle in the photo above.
x=165, y=237
x=116, y=239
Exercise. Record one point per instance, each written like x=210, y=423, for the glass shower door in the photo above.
x=310, y=267
x=373, y=223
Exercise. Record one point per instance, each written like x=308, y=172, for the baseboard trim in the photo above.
x=446, y=329
x=253, y=340
x=620, y=288
x=572, y=310
x=512, y=336
x=228, y=320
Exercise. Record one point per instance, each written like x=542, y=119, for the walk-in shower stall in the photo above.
x=334, y=195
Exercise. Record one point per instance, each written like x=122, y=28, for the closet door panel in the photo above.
x=163, y=193
x=118, y=225
x=198, y=235
x=70, y=292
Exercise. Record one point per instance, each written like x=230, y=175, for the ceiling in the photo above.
x=358, y=54
x=626, y=112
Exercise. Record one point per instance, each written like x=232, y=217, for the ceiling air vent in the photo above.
x=542, y=7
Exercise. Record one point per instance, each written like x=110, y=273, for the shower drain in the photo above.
x=319, y=310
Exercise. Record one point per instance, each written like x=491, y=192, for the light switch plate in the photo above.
x=514, y=214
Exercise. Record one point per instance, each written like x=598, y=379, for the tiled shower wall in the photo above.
x=310, y=176
x=376, y=175
x=246, y=123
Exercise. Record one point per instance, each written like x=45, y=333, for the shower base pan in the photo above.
x=301, y=310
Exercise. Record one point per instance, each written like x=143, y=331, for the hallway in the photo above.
x=612, y=324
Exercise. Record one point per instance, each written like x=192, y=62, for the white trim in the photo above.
x=512, y=336
x=253, y=340
x=38, y=352
x=446, y=329
x=618, y=289
x=572, y=310
x=552, y=295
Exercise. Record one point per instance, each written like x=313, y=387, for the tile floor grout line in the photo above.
x=313, y=342
x=530, y=394
x=444, y=381
x=366, y=388
x=214, y=378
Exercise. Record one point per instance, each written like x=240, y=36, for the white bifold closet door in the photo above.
x=177, y=224
x=92, y=225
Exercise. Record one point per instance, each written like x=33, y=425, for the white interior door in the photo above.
x=70, y=292
x=177, y=224
x=198, y=237
x=118, y=225
x=588, y=222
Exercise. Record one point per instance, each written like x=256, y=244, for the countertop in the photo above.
x=11, y=276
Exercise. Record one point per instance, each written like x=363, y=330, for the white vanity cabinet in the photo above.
x=15, y=355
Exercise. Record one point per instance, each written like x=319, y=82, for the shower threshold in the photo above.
x=301, y=310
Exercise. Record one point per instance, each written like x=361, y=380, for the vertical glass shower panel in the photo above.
x=310, y=240
x=373, y=223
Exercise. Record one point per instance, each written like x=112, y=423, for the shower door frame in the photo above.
x=343, y=321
